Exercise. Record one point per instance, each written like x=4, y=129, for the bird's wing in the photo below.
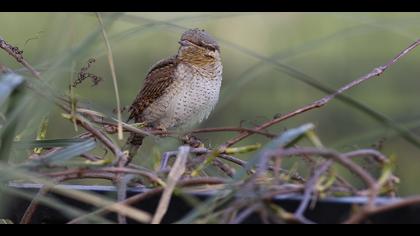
x=160, y=76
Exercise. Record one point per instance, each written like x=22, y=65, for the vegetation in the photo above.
x=62, y=117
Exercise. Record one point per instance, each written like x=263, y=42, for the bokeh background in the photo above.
x=331, y=48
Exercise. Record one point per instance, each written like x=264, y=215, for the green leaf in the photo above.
x=8, y=83
x=244, y=149
x=289, y=137
x=48, y=143
x=11, y=89
x=64, y=154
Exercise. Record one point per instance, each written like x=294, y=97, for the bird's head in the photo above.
x=198, y=48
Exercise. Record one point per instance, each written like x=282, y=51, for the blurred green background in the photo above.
x=333, y=48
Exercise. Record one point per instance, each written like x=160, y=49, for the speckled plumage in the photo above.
x=182, y=90
x=188, y=100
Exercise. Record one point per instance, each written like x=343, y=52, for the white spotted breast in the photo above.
x=190, y=99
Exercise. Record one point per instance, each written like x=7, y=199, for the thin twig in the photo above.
x=114, y=170
x=232, y=129
x=27, y=216
x=121, y=185
x=126, y=127
x=114, y=76
x=245, y=214
x=121, y=157
x=17, y=54
x=177, y=171
x=83, y=175
x=364, y=213
x=167, y=155
x=379, y=157
x=341, y=159
x=309, y=189
x=89, y=198
x=145, y=195
x=224, y=167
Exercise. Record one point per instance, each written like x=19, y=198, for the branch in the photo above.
x=323, y=101
x=309, y=189
x=126, y=127
x=344, y=161
x=167, y=155
x=82, y=173
x=174, y=176
x=365, y=213
x=120, y=155
x=233, y=129
x=17, y=54
x=338, y=157
x=27, y=216
x=379, y=157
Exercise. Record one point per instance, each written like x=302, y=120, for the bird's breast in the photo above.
x=198, y=93
x=188, y=100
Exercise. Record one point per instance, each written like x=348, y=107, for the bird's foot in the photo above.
x=187, y=139
x=192, y=141
x=161, y=130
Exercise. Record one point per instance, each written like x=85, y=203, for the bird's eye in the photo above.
x=184, y=43
x=208, y=46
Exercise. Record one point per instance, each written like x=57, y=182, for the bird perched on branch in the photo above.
x=181, y=90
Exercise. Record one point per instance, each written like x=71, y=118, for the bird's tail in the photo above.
x=133, y=144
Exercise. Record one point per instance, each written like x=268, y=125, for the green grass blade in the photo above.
x=48, y=143
x=8, y=83
x=8, y=131
x=64, y=154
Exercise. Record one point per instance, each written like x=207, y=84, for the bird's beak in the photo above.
x=184, y=43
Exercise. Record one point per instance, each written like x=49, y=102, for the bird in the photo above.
x=181, y=90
